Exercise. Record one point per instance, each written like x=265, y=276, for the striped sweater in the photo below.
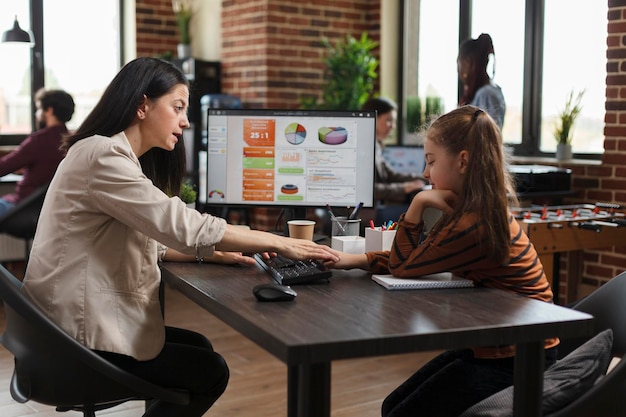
x=457, y=248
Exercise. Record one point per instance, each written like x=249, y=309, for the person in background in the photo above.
x=39, y=154
x=94, y=264
x=477, y=238
x=479, y=89
x=392, y=189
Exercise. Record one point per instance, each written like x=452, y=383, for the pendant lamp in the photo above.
x=17, y=35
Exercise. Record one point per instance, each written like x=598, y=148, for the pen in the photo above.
x=355, y=211
x=372, y=224
x=333, y=218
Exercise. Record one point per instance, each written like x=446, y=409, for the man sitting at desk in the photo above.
x=39, y=154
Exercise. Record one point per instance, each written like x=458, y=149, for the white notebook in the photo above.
x=440, y=280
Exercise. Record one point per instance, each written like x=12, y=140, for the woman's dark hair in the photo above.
x=477, y=51
x=61, y=102
x=380, y=104
x=117, y=108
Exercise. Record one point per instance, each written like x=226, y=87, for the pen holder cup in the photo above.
x=341, y=226
x=377, y=239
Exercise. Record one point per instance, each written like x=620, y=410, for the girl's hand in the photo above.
x=349, y=261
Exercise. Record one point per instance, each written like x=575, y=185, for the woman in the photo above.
x=479, y=89
x=94, y=262
x=392, y=189
x=476, y=238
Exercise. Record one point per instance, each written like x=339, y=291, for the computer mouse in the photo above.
x=273, y=292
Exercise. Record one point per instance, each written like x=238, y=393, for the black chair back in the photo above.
x=53, y=368
x=608, y=307
x=21, y=221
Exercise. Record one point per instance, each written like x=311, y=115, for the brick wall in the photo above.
x=271, y=53
x=156, y=27
x=271, y=49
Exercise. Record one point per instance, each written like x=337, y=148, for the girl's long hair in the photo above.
x=488, y=189
x=117, y=108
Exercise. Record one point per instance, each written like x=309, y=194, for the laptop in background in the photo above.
x=405, y=159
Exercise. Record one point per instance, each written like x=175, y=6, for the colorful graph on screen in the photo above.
x=295, y=133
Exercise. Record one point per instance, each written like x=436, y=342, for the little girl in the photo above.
x=477, y=238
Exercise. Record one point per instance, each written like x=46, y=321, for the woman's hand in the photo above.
x=221, y=257
x=306, y=249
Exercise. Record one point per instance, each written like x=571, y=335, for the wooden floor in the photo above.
x=257, y=386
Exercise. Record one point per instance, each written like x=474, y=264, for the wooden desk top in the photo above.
x=351, y=316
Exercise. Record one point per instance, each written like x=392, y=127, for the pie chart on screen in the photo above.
x=333, y=135
x=295, y=133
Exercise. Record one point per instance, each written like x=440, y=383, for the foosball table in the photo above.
x=570, y=228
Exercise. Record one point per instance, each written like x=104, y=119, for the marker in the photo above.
x=352, y=215
x=334, y=219
x=372, y=224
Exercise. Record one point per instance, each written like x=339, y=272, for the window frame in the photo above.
x=532, y=76
x=37, y=62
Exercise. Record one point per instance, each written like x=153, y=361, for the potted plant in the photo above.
x=565, y=122
x=350, y=74
x=188, y=194
x=183, y=10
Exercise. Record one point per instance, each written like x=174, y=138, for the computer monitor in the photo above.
x=290, y=158
x=404, y=158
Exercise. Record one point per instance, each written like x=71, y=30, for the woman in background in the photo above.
x=479, y=89
x=392, y=189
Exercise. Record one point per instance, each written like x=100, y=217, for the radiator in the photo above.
x=11, y=249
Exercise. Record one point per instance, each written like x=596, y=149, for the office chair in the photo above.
x=53, y=368
x=607, y=398
x=21, y=221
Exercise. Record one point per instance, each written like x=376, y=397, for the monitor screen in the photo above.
x=405, y=159
x=290, y=157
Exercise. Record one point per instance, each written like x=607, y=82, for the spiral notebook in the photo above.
x=440, y=280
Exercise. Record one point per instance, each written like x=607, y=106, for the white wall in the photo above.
x=206, y=30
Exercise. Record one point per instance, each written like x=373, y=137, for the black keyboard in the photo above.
x=286, y=271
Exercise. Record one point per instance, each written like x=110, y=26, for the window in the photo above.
x=80, y=56
x=15, y=76
x=538, y=62
x=575, y=60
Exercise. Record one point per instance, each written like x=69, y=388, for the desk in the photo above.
x=7, y=183
x=353, y=317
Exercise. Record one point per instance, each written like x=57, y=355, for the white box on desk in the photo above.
x=377, y=239
x=348, y=244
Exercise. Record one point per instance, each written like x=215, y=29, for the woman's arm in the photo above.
x=219, y=257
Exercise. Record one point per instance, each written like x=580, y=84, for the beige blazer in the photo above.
x=93, y=267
